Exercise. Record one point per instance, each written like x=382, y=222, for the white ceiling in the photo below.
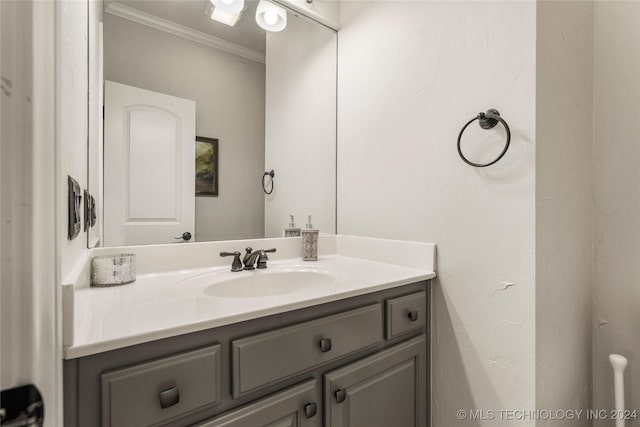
x=190, y=13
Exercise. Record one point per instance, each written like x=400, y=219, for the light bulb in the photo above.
x=270, y=17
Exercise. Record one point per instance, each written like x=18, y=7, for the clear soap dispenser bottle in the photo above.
x=310, y=242
x=292, y=230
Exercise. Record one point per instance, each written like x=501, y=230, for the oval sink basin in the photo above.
x=267, y=285
x=273, y=281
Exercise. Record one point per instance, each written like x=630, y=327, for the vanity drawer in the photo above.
x=405, y=314
x=271, y=356
x=153, y=392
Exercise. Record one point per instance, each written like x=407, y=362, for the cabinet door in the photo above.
x=386, y=389
x=297, y=406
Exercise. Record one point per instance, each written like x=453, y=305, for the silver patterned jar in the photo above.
x=113, y=270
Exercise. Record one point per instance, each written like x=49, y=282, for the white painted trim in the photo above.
x=30, y=314
x=179, y=30
x=47, y=291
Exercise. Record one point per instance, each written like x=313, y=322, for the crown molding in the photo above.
x=126, y=12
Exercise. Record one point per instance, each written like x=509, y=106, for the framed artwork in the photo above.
x=206, y=166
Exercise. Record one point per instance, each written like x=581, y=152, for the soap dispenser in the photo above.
x=309, y=242
x=292, y=230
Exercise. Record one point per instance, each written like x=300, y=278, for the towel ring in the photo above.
x=486, y=120
x=271, y=174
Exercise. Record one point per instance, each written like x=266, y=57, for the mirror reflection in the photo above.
x=211, y=131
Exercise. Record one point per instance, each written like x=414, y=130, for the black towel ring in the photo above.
x=271, y=174
x=486, y=120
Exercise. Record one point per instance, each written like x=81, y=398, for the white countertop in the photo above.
x=166, y=304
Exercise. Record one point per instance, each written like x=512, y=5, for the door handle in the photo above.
x=413, y=315
x=186, y=236
x=341, y=395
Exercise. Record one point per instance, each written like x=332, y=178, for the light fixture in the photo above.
x=270, y=16
x=229, y=6
x=225, y=11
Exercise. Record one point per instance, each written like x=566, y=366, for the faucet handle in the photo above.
x=235, y=253
x=263, y=258
x=236, y=265
x=263, y=253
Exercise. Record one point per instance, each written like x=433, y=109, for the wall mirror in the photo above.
x=163, y=74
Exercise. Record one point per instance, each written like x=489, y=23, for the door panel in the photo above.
x=152, y=151
x=387, y=399
x=149, y=172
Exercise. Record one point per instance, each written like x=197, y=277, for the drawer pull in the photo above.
x=310, y=410
x=413, y=315
x=169, y=397
x=325, y=345
x=340, y=395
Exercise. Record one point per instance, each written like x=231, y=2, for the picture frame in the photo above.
x=206, y=175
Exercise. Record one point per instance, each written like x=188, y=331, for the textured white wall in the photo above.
x=410, y=75
x=300, y=144
x=229, y=92
x=617, y=199
x=564, y=146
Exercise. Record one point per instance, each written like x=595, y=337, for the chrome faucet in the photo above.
x=260, y=256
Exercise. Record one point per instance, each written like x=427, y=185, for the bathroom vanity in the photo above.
x=343, y=341
x=358, y=361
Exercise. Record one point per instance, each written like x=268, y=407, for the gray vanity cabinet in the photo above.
x=297, y=406
x=356, y=362
x=383, y=390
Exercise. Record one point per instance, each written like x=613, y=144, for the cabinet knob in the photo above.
x=341, y=395
x=169, y=397
x=325, y=345
x=413, y=315
x=310, y=410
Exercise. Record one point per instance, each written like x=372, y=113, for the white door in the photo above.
x=149, y=166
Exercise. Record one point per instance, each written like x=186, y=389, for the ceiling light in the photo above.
x=221, y=15
x=229, y=6
x=270, y=16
